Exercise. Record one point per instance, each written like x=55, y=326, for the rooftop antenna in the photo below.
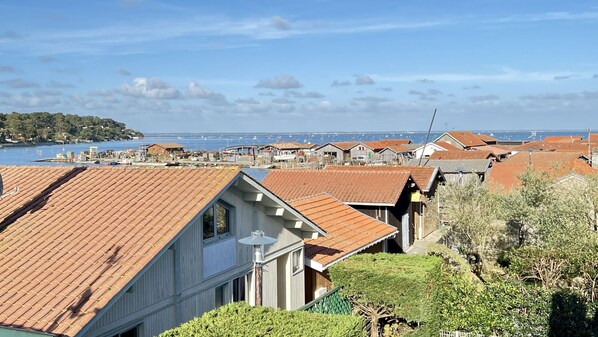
x=2, y=194
x=427, y=136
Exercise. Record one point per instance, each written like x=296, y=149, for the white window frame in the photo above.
x=300, y=261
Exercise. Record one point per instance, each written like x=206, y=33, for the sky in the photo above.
x=304, y=66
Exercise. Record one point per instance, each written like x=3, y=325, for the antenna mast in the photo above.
x=427, y=136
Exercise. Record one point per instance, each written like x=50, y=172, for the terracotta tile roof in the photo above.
x=375, y=145
x=542, y=158
x=538, y=145
x=467, y=138
x=30, y=181
x=448, y=146
x=352, y=187
x=594, y=138
x=344, y=145
x=497, y=150
x=70, y=253
x=291, y=145
x=398, y=148
x=562, y=139
x=168, y=145
x=455, y=166
x=389, y=142
x=486, y=138
x=504, y=177
x=423, y=176
x=348, y=230
x=460, y=154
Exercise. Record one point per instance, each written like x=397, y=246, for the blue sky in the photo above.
x=309, y=65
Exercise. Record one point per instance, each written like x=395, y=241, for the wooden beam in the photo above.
x=274, y=211
x=252, y=196
x=310, y=235
x=293, y=224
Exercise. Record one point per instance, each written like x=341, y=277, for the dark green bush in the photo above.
x=242, y=320
x=403, y=284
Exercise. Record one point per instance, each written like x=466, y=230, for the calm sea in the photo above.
x=219, y=141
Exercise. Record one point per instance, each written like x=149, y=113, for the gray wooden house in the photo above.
x=133, y=252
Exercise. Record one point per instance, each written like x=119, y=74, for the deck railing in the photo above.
x=329, y=303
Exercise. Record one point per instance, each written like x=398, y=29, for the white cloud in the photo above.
x=279, y=82
x=59, y=85
x=364, y=80
x=280, y=23
x=149, y=88
x=309, y=94
x=124, y=72
x=19, y=83
x=337, y=83
x=6, y=69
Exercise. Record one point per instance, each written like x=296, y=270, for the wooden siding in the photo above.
x=153, y=292
x=450, y=140
x=362, y=153
x=154, y=298
x=331, y=149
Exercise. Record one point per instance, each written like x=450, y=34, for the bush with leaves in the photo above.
x=242, y=320
x=389, y=285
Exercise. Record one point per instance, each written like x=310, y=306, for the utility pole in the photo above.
x=590, y=146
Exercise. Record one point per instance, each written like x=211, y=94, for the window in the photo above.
x=216, y=221
x=220, y=296
x=296, y=260
x=133, y=332
x=239, y=289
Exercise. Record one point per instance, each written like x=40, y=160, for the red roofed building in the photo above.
x=427, y=179
x=504, y=177
x=462, y=139
x=135, y=251
x=383, y=195
x=460, y=154
x=348, y=232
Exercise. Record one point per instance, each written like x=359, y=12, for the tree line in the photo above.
x=39, y=127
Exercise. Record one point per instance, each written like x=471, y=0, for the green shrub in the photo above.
x=403, y=284
x=240, y=319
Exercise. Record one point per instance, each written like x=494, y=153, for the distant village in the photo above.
x=124, y=251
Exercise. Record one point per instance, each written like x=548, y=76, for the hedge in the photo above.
x=404, y=284
x=240, y=319
x=510, y=308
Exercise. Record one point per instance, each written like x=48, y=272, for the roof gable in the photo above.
x=465, y=138
x=349, y=231
x=71, y=252
x=462, y=155
x=423, y=176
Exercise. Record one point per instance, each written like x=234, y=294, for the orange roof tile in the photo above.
x=398, y=148
x=542, y=158
x=348, y=230
x=497, y=150
x=505, y=176
x=30, y=181
x=70, y=253
x=423, y=176
x=352, y=187
x=467, y=138
x=562, y=139
x=486, y=138
x=461, y=155
x=375, y=145
x=448, y=146
x=344, y=145
x=291, y=145
x=538, y=145
x=389, y=142
x=168, y=145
